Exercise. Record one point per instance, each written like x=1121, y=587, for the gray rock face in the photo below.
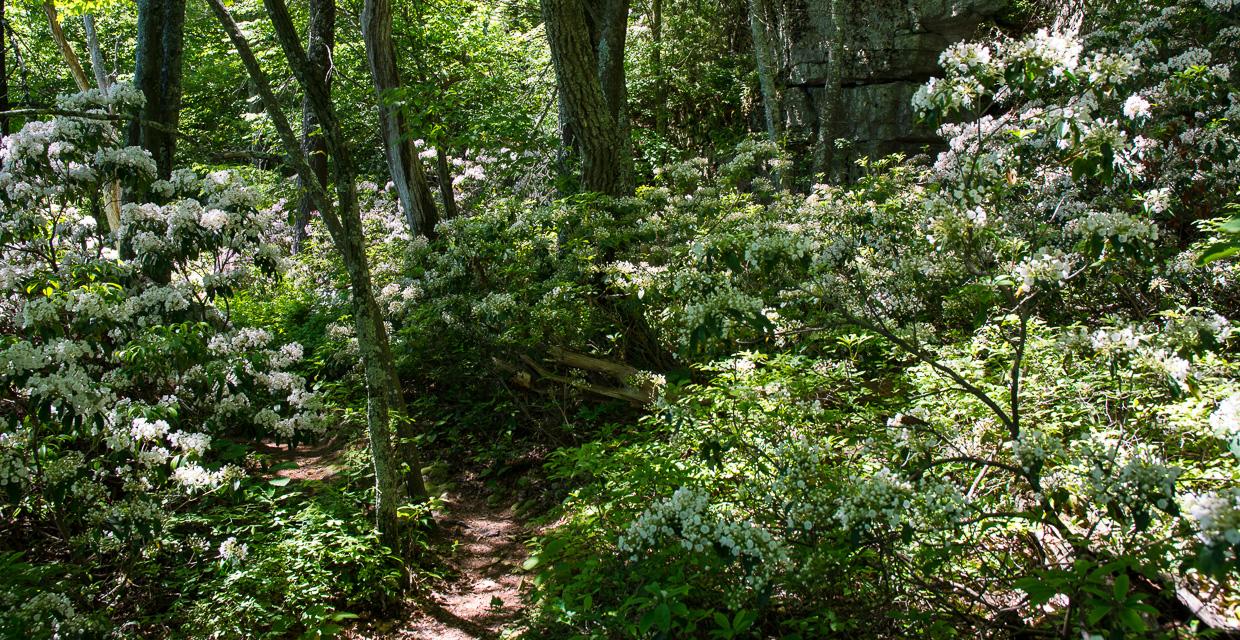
x=847, y=69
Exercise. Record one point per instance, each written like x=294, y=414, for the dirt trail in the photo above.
x=486, y=596
x=482, y=600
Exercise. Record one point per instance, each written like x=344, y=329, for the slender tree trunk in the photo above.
x=4, y=72
x=112, y=191
x=660, y=78
x=382, y=385
x=320, y=40
x=21, y=62
x=97, y=64
x=66, y=49
x=408, y=175
x=446, y=192
x=157, y=72
x=606, y=162
x=763, y=22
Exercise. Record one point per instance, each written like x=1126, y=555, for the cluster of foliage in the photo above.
x=996, y=390
x=125, y=385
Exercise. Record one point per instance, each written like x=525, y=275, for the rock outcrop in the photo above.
x=845, y=70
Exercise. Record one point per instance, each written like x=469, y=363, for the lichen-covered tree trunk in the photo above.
x=605, y=159
x=157, y=72
x=320, y=39
x=408, y=175
x=392, y=451
x=608, y=21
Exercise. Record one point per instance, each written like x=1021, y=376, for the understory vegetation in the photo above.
x=991, y=389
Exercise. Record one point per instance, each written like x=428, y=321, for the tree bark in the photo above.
x=762, y=22
x=605, y=158
x=408, y=175
x=157, y=73
x=446, y=193
x=660, y=78
x=4, y=72
x=112, y=191
x=111, y=194
x=66, y=49
x=344, y=225
x=608, y=21
x=97, y=65
x=320, y=40
x=21, y=62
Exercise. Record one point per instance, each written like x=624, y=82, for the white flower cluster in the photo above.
x=1176, y=368
x=797, y=490
x=1047, y=266
x=1115, y=226
x=1109, y=69
x=1131, y=476
x=144, y=430
x=213, y=219
x=1136, y=108
x=1033, y=449
x=964, y=57
x=46, y=614
x=1217, y=515
x=1115, y=341
x=687, y=517
x=1057, y=53
x=13, y=469
x=881, y=499
x=193, y=477
x=1225, y=422
x=232, y=552
x=242, y=340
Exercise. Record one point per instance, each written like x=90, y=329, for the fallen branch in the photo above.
x=628, y=394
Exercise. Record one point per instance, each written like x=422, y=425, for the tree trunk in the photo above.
x=605, y=159
x=66, y=49
x=384, y=397
x=112, y=191
x=97, y=65
x=763, y=21
x=408, y=175
x=111, y=194
x=21, y=62
x=608, y=21
x=157, y=72
x=4, y=73
x=445, y=183
x=660, y=78
x=321, y=38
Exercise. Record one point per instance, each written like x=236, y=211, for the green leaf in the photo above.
x=1132, y=620
x=1120, y=588
x=1096, y=613
x=279, y=482
x=1218, y=251
x=1040, y=592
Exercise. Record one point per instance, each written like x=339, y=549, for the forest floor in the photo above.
x=481, y=598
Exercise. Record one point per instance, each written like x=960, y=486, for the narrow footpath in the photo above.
x=485, y=597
